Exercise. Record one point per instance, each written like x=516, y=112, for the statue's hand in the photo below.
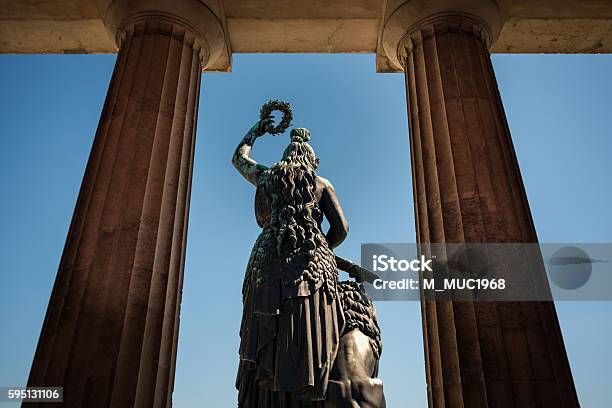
x=259, y=128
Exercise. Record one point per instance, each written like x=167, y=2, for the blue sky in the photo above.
x=558, y=110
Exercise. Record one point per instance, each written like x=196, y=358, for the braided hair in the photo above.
x=291, y=184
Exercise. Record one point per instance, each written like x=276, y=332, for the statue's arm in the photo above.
x=338, y=226
x=242, y=161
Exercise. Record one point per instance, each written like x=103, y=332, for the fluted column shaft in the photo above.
x=468, y=188
x=110, y=333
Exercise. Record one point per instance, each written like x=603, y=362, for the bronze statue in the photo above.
x=293, y=322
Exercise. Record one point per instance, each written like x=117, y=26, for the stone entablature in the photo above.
x=338, y=26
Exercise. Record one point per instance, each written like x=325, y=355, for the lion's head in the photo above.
x=359, y=313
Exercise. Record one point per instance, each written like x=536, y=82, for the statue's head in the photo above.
x=299, y=151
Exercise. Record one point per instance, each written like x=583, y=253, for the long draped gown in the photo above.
x=291, y=323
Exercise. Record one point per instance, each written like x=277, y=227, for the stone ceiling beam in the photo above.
x=317, y=26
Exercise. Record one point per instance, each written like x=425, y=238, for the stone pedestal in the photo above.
x=468, y=188
x=110, y=333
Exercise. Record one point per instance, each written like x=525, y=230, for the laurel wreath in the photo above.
x=284, y=108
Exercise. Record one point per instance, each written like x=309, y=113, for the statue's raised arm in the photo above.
x=249, y=168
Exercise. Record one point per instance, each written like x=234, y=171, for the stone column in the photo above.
x=110, y=332
x=468, y=188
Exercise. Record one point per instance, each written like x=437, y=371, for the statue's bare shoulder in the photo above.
x=324, y=185
x=325, y=182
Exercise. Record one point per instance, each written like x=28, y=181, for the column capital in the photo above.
x=408, y=22
x=196, y=21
